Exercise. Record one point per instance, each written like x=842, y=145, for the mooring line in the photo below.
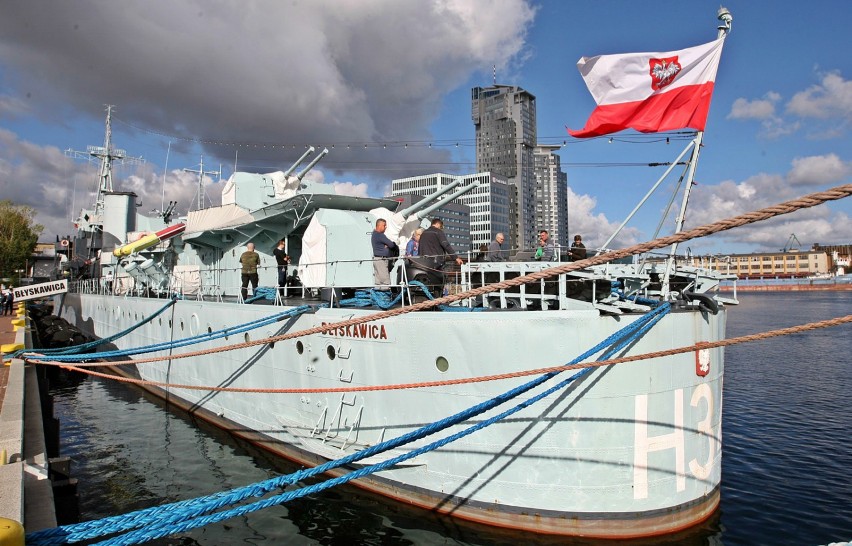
x=479, y=379
x=786, y=207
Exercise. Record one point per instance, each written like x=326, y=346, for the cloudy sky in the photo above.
x=386, y=83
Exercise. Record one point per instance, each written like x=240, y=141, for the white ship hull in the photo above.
x=628, y=450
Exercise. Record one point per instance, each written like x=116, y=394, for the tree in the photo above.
x=18, y=237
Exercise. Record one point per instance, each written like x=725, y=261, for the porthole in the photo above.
x=209, y=329
x=331, y=352
x=160, y=321
x=194, y=324
x=181, y=325
x=170, y=324
x=247, y=337
x=300, y=347
x=442, y=364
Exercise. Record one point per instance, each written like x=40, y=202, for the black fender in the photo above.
x=705, y=302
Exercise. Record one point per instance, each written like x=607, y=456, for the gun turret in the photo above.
x=441, y=202
x=428, y=199
x=311, y=164
x=292, y=168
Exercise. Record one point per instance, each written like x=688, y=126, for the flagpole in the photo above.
x=725, y=17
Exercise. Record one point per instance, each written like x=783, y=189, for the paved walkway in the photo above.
x=7, y=335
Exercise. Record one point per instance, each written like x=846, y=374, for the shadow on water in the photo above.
x=132, y=450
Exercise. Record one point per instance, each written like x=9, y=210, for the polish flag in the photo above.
x=650, y=92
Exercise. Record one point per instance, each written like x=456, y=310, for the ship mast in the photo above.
x=201, y=172
x=106, y=154
x=724, y=28
x=91, y=221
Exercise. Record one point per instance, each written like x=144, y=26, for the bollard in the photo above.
x=11, y=347
x=11, y=533
x=4, y=458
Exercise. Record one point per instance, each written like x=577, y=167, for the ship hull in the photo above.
x=627, y=451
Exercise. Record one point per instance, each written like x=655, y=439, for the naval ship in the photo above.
x=626, y=450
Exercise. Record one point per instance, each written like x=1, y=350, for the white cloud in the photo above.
x=824, y=110
x=832, y=98
x=710, y=203
x=818, y=170
x=351, y=188
x=757, y=109
x=772, y=125
x=595, y=227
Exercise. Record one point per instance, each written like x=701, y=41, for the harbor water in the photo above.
x=787, y=452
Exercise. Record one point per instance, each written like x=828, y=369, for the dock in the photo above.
x=26, y=490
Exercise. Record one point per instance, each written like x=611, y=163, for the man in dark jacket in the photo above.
x=578, y=249
x=383, y=250
x=437, y=250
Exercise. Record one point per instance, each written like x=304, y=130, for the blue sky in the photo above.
x=267, y=79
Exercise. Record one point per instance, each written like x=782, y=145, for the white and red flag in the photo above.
x=650, y=92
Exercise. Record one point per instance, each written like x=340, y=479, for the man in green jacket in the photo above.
x=249, y=260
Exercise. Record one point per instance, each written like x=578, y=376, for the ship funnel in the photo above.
x=428, y=199
x=292, y=168
x=311, y=164
x=440, y=203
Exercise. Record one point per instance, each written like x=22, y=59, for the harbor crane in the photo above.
x=788, y=247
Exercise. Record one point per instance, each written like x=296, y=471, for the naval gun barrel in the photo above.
x=312, y=163
x=428, y=199
x=440, y=203
x=298, y=162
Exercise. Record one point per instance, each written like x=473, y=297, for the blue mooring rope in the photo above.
x=181, y=516
x=92, y=344
x=175, y=344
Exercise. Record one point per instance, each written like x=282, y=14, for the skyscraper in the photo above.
x=551, y=194
x=505, y=121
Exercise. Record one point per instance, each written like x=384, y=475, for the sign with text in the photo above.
x=23, y=293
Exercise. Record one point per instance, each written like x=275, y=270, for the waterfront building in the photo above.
x=488, y=205
x=757, y=265
x=840, y=255
x=504, y=117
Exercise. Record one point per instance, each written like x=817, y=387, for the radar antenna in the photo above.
x=107, y=155
x=201, y=172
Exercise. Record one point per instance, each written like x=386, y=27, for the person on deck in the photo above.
x=438, y=251
x=496, y=252
x=546, y=251
x=249, y=261
x=413, y=246
x=578, y=249
x=383, y=250
x=283, y=260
